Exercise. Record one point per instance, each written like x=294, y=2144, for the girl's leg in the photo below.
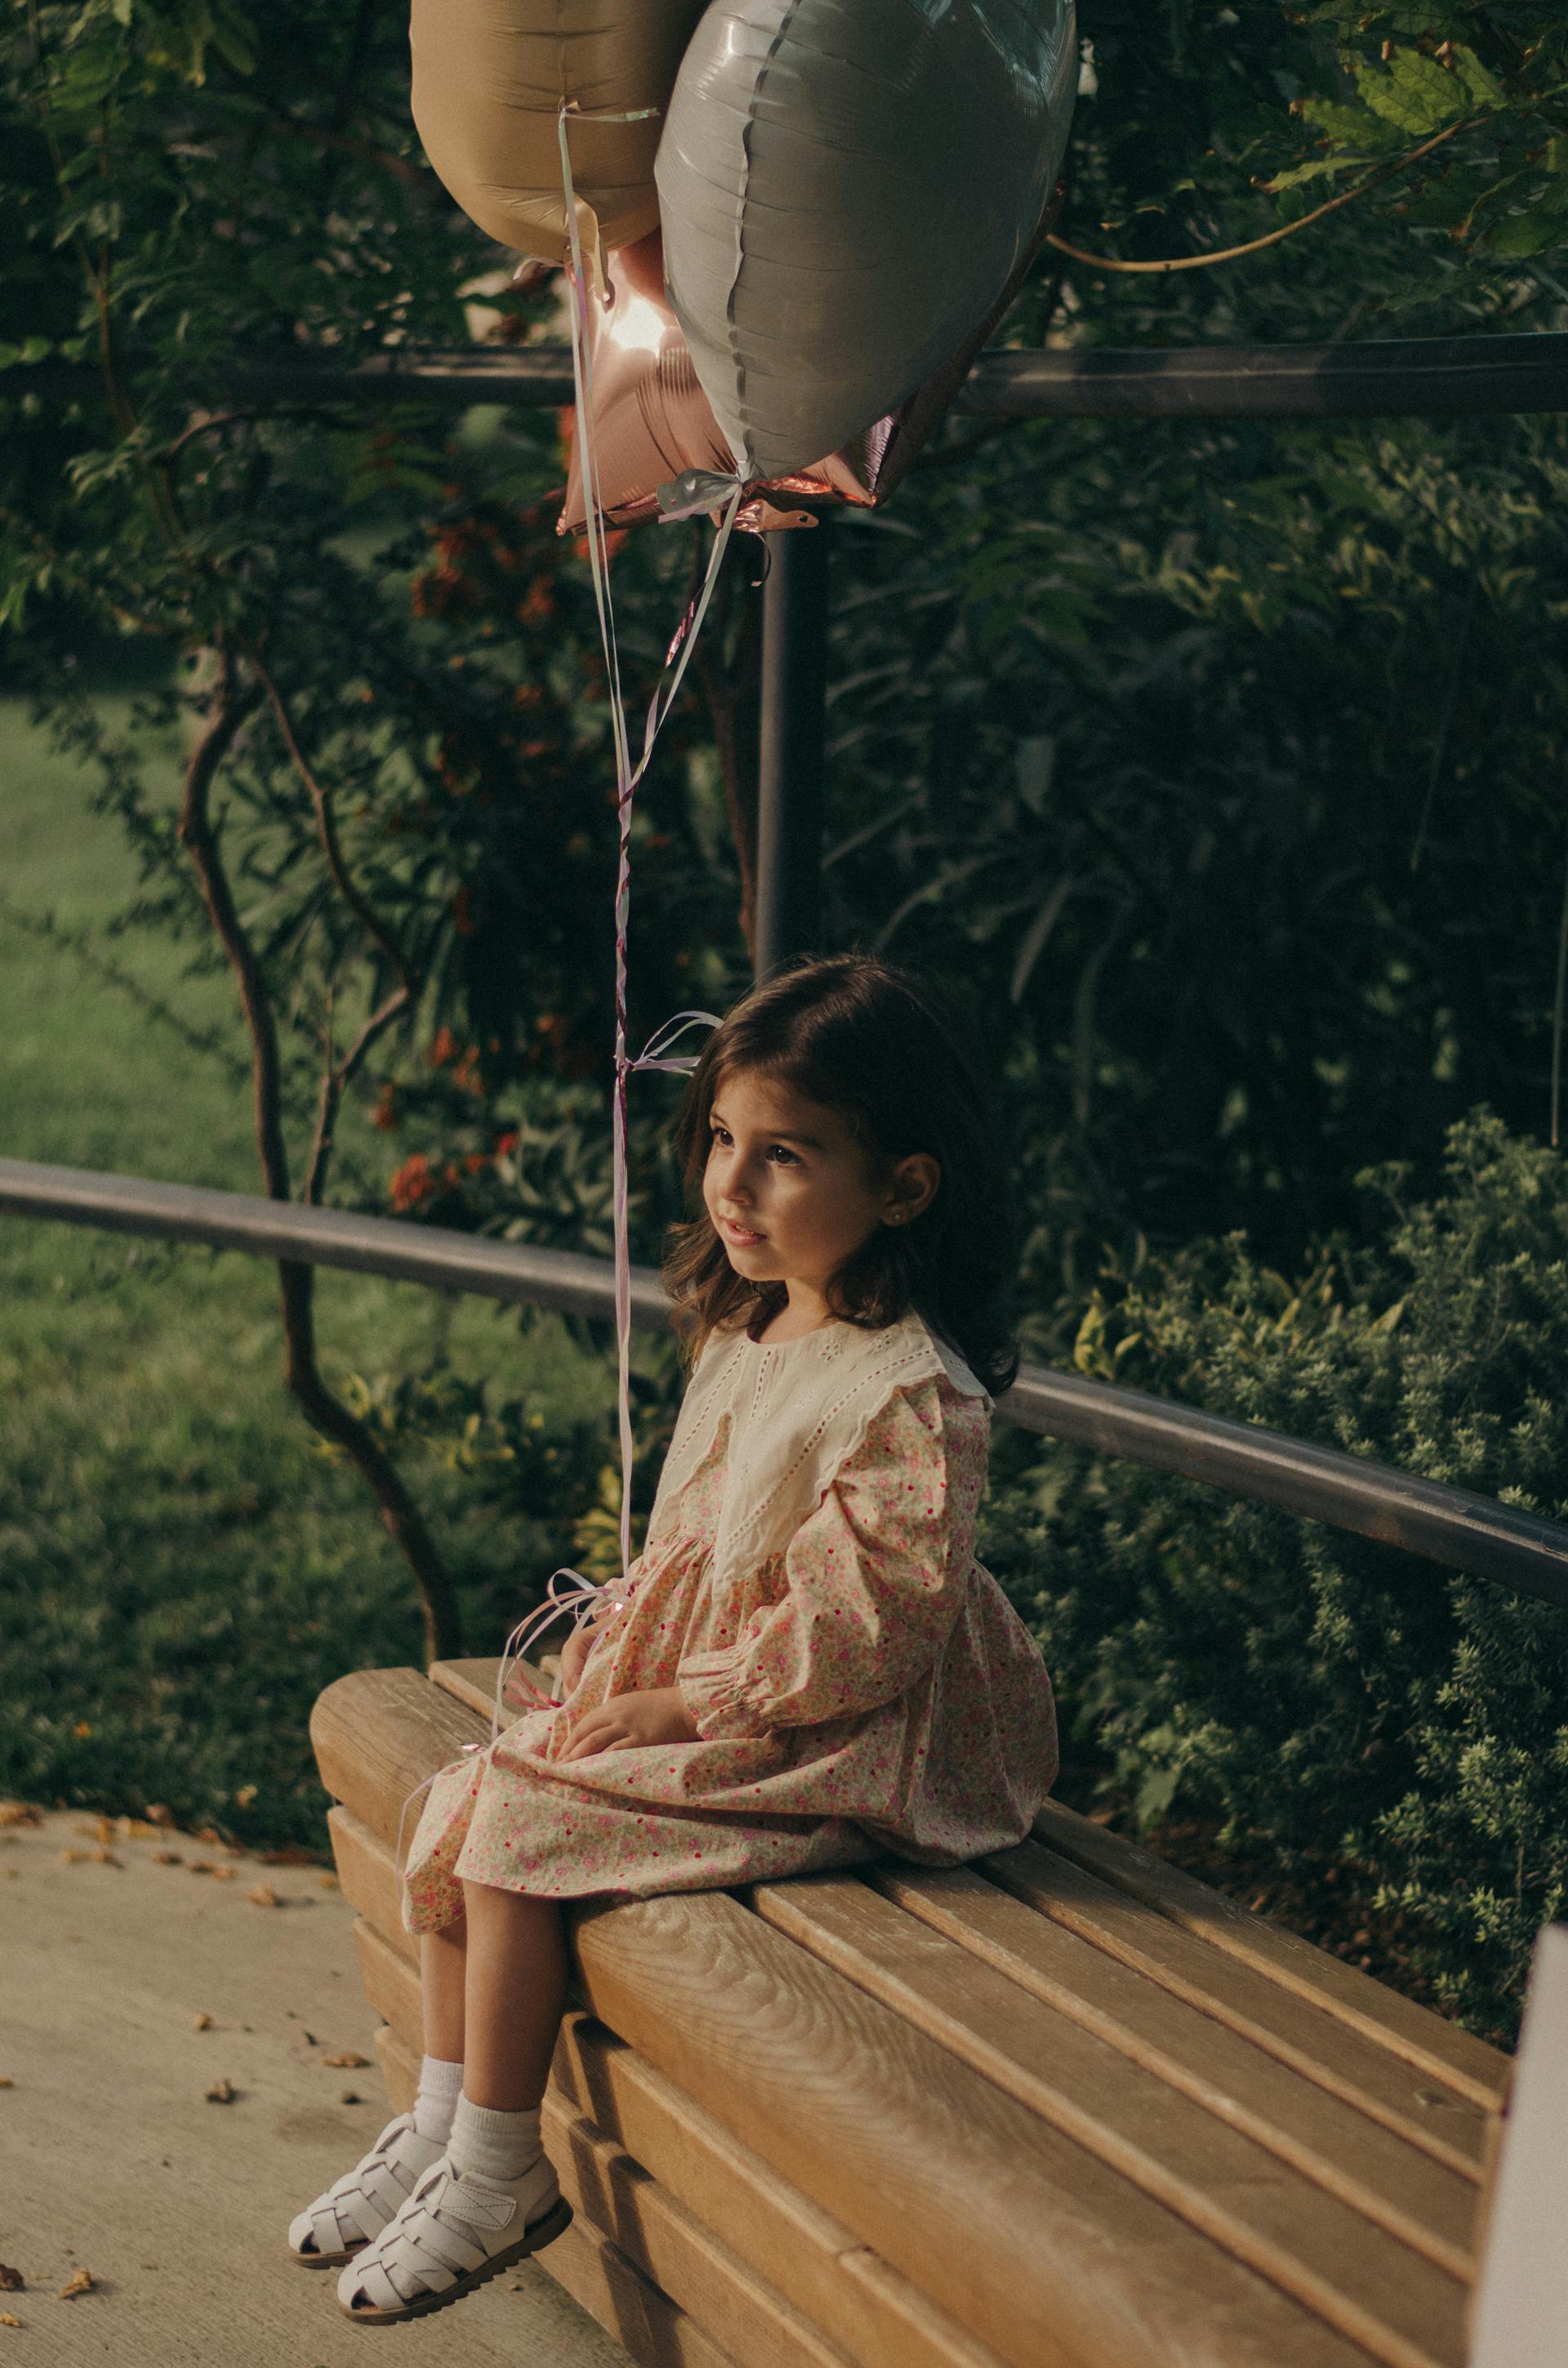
x=441, y=1963
x=513, y=1998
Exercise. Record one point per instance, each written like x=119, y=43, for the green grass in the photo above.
x=181, y=1569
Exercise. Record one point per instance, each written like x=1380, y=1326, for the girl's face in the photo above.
x=792, y=1190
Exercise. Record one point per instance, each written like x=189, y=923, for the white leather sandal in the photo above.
x=358, y=2207
x=450, y=2236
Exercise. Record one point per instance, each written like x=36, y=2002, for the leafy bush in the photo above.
x=1344, y=1702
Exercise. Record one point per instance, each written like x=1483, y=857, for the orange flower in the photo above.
x=474, y=1162
x=413, y=1184
x=385, y=1114
x=444, y=1048
x=505, y=1142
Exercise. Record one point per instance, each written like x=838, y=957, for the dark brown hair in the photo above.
x=859, y=1035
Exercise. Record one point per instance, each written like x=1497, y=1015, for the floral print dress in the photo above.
x=866, y=1688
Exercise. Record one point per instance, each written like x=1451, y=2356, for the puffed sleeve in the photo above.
x=875, y=1580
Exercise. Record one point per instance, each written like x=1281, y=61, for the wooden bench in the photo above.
x=1063, y=2107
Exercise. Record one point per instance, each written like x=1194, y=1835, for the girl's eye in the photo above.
x=721, y=1134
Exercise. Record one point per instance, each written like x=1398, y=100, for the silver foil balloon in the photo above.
x=655, y=437
x=847, y=188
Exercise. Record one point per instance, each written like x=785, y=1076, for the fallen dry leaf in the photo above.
x=108, y=1858
x=222, y=2092
x=201, y=1866
x=19, y=1813
x=6, y=2082
x=327, y=1882
x=208, y=1833
x=79, y=2282
x=135, y=1830
x=6, y=2319
x=203, y=2022
x=11, y=2280
x=72, y=1855
x=263, y=1896
x=224, y=1873
x=159, y=1814
x=349, y=2062
x=167, y=1858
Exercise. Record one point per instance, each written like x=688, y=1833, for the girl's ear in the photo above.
x=913, y=1187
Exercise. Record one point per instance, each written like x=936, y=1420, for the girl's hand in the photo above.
x=629, y=1721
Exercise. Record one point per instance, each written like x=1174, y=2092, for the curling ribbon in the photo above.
x=583, y=1596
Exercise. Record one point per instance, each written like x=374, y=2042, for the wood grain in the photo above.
x=391, y=1985
x=657, y=2230
x=1285, y=2022
x=1030, y=2242
x=1439, y=2048
x=378, y=1733
x=880, y=2318
x=1424, y=2204
x=400, y=2069
x=1399, y=2307
x=656, y=2331
x=369, y=1879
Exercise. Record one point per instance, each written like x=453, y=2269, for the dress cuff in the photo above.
x=716, y=1700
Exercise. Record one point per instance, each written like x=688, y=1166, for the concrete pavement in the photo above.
x=140, y=1970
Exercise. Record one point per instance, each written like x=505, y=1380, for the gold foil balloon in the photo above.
x=489, y=79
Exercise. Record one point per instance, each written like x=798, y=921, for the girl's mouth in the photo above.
x=739, y=1235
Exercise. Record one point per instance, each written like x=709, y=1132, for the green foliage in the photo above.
x=1343, y=1703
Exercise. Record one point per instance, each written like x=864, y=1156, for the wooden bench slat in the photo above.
x=878, y=2317
x=392, y=1984
x=378, y=1733
x=1286, y=2023
x=1423, y=2038
x=655, y=2331
x=1397, y=2304
x=1010, y=2226
x=1424, y=2204
x=671, y=2246
x=369, y=1879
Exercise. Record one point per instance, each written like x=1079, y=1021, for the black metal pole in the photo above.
x=789, y=772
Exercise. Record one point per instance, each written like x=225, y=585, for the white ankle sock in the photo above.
x=492, y=2145
x=441, y=2086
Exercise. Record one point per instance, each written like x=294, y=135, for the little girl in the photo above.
x=805, y=1666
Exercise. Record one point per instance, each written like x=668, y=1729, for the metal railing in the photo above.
x=1356, y=378
x=1321, y=1484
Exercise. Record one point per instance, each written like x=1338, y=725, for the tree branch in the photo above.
x=232, y=704
x=1257, y=245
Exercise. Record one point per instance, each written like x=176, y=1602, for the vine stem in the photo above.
x=1288, y=229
